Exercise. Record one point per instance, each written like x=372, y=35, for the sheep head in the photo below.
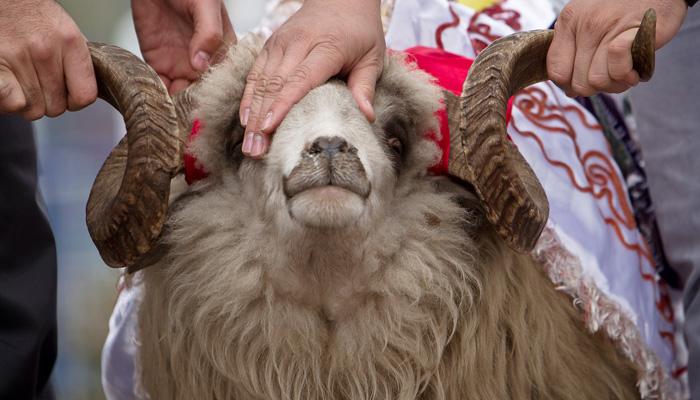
x=321, y=134
x=327, y=167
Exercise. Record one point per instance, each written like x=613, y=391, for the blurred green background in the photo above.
x=71, y=150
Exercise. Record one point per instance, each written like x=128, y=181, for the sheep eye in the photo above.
x=395, y=145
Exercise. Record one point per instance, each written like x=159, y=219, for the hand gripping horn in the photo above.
x=128, y=202
x=515, y=202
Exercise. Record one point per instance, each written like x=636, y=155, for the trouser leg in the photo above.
x=27, y=271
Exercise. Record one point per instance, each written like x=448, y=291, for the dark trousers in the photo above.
x=27, y=271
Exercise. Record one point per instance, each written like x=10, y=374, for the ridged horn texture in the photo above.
x=644, y=45
x=129, y=199
x=481, y=154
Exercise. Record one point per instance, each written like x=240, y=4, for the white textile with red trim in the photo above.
x=591, y=247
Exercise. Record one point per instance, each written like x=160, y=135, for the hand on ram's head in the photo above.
x=323, y=39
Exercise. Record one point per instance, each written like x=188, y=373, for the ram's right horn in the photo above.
x=128, y=202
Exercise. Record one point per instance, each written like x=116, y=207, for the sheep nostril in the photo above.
x=329, y=146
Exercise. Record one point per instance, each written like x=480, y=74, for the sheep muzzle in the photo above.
x=328, y=162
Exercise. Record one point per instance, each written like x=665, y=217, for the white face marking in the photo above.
x=328, y=111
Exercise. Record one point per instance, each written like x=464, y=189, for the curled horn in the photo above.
x=128, y=202
x=515, y=202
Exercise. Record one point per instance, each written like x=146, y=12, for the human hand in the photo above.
x=591, y=50
x=180, y=38
x=323, y=39
x=45, y=66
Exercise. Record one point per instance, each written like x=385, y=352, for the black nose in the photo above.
x=329, y=145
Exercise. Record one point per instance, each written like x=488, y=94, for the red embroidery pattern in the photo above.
x=480, y=32
x=442, y=27
x=600, y=181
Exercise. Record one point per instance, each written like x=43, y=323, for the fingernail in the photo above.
x=257, y=146
x=244, y=116
x=370, y=109
x=248, y=143
x=201, y=60
x=268, y=121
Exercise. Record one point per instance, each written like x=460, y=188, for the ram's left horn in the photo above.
x=128, y=202
x=481, y=154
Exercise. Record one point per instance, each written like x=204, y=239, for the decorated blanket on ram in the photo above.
x=591, y=248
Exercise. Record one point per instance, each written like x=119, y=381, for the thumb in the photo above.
x=208, y=32
x=362, y=81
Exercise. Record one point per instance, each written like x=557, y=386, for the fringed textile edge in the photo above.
x=602, y=313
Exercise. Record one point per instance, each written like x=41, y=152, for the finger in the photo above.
x=269, y=84
x=620, y=66
x=208, y=32
x=48, y=63
x=12, y=98
x=362, y=82
x=316, y=69
x=79, y=75
x=229, y=37
x=257, y=144
x=26, y=76
x=229, y=34
x=598, y=76
x=279, y=68
x=586, y=46
x=268, y=87
x=251, y=82
x=560, y=57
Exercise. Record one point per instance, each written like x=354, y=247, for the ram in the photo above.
x=337, y=267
